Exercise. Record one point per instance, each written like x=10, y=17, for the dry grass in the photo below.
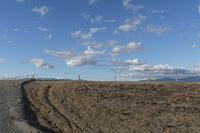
x=106, y=107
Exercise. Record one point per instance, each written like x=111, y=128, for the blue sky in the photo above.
x=100, y=38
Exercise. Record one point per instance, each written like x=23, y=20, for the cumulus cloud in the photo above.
x=41, y=10
x=158, y=30
x=50, y=36
x=199, y=9
x=96, y=19
x=198, y=35
x=89, y=34
x=156, y=11
x=197, y=67
x=93, y=44
x=127, y=63
x=143, y=70
x=128, y=4
x=195, y=46
x=4, y=36
x=91, y=2
x=17, y=29
x=133, y=62
x=43, y=29
x=86, y=16
x=1, y=59
x=130, y=47
x=134, y=68
x=20, y=1
x=15, y=76
x=130, y=24
x=162, y=68
x=39, y=63
x=92, y=19
x=88, y=57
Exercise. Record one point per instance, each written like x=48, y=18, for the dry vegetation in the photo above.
x=106, y=107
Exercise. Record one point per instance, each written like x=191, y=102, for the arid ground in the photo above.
x=108, y=107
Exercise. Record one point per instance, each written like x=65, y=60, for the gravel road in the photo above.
x=11, y=107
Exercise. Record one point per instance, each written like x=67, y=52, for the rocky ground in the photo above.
x=108, y=107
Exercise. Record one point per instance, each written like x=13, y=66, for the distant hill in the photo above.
x=165, y=80
x=51, y=79
x=192, y=79
x=187, y=79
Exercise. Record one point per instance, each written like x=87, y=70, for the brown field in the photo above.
x=107, y=107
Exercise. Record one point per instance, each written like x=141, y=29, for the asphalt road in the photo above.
x=11, y=109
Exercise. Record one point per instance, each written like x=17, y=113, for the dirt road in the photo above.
x=11, y=107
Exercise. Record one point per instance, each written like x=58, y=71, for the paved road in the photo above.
x=11, y=109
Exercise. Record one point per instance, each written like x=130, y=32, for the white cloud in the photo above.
x=43, y=29
x=135, y=69
x=91, y=2
x=130, y=24
x=1, y=59
x=130, y=47
x=85, y=15
x=88, y=35
x=110, y=20
x=158, y=69
x=88, y=57
x=112, y=43
x=158, y=30
x=133, y=62
x=125, y=64
x=50, y=36
x=17, y=29
x=41, y=10
x=195, y=46
x=20, y=1
x=15, y=76
x=4, y=36
x=9, y=42
x=199, y=8
x=198, y=35
x=96, y=19
x=197, y=67
x=93, y=44
x=129, y=6
x=38, y=63
x=156, y=11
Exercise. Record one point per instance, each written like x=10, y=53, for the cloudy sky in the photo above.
x=100, y=38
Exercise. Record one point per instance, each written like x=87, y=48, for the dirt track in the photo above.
x=91, y=107
x=11, y=107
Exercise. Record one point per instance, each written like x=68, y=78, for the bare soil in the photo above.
x=108, y=107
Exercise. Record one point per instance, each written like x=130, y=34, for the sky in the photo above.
x=133, y=39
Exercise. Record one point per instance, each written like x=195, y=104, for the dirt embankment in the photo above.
x=105, y=107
